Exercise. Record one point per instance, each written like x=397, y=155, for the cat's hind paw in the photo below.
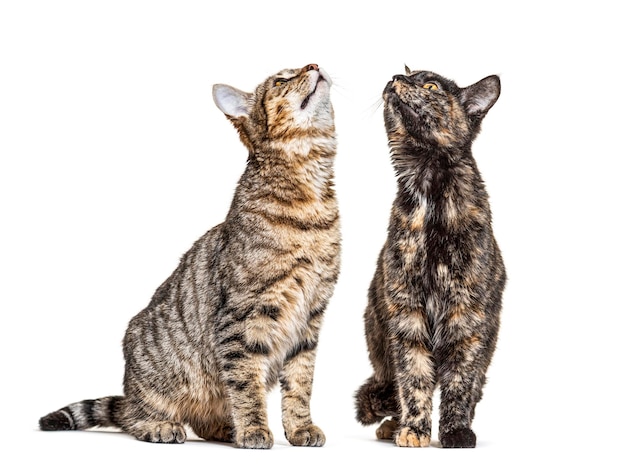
x=458, y=438
x=257, y=437
x=408, y=437
x=308, y=436
x=160, y=432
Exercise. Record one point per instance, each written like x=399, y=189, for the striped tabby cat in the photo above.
x=243, y=309
x=434, y=302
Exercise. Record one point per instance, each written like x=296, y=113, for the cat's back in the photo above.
x=183, y=299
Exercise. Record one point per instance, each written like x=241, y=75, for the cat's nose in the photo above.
x=312, y=67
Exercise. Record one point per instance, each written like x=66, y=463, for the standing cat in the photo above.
x=434, y=302
x=243, y=309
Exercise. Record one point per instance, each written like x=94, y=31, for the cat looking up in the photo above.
x=433, y=309
x=243, y=309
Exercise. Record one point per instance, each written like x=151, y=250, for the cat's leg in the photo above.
x=244, y=358
x=244, y=375
x=477, y=394
x=296, y=381
x=146, y=410
x=461, y=389
x=415, y=380
x=148, y=424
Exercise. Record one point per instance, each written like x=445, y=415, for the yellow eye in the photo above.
x=279, y=82
x=430, y=86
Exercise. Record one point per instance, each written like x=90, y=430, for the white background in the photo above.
x=114, y=160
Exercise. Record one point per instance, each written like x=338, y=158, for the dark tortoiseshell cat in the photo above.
x=433, y=306
x=243, y=309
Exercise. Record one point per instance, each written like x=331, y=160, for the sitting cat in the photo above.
x=434, y=303
x=243, y=309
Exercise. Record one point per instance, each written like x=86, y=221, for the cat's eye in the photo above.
x=430, y=86
x=280, y=82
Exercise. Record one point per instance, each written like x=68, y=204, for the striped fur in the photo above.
x=244, y=308
x=433, y=311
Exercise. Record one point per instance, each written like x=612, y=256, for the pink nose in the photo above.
x=311, y=67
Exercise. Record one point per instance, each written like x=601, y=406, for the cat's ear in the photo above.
x=407, y=70
x=232, y=101
x=480, y=97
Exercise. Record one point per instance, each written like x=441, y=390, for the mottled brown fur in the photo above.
x=244, y=308
x=434, y=303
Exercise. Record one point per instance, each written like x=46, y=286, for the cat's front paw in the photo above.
x=408, y=437
x=458, y=438
x=258, y=437
x=308, y=436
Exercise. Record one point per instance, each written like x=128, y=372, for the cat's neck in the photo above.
x=446, y=181
x=295, y=169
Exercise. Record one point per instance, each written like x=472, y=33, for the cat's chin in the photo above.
x=317, y=89
x=326, y=77
x=322, y=85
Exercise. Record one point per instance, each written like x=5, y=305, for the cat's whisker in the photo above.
x=340, y=89
x=375, y=107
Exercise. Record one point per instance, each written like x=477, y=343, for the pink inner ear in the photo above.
x=478, y=104
x=231, y=101
x=480, y=97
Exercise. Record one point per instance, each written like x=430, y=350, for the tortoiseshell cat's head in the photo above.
x=293, y=103
x=428, y=109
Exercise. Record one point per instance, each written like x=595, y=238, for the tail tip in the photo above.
x=375, y=401
x=365, y=414
x=55, y=421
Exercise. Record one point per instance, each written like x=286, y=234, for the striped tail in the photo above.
x=85, y=414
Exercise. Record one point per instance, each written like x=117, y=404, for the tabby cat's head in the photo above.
x=433, y=110
x=293, y=103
